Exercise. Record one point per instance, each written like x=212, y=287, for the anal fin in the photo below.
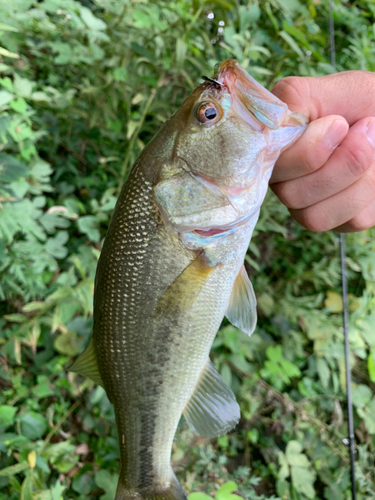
x=86, y=364
x=242, y=308
x=212, y=409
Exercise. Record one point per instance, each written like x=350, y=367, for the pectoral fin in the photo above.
x=185, y=289
x=242, y=308
x=212, y=409
x=87, y=365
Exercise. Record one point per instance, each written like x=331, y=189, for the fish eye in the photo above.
x=208, y=112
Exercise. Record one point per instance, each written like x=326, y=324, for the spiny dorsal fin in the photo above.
x=242, y=308
x=212, y=409
x=184, y=290
x=86, y=364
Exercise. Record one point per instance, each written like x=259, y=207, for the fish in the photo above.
x=172, y=266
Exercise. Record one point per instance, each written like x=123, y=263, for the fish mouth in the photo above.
x=257, y=106
x=218, y=232
x=207, y=233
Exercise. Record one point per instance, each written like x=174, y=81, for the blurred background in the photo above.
x=84, y=86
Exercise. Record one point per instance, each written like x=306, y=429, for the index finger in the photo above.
x=350, y=94
x=312, y=149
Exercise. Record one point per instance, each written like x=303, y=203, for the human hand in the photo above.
x=327, y=178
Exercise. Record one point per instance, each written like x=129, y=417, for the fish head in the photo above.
x=233, y=129
x=230, y=132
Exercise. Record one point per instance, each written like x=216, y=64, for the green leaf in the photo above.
x=284, y=466
x=55, y=246
x=7, y=53
x=303, y=481
x=19, y=105
x=7, y=27
x=371, y=364
x=43, y=387
x=181, y=49
x=57, y=491
x=120, y=74
x=33, y=306
x=53, y=221
x=323, y=371
x=225, y=491
x=108, y=482
x=27, y=487
x=41, y=171
x=64, y=52
x=7, y=414
x=68, y=343
x=92, y=22
x=294, y=455
x=333, y=302
x=83, y=484
x=5, y=97
x=11, y=169
x=12, y=470
x=33, y=425
x=15, y=318
x=199, y=496
x=292, y=43
x=275, y=353
x=361, y=395
x=7, y=83
x=226, y=374
x=266, y=304
x=22, y=86
x=88, y=224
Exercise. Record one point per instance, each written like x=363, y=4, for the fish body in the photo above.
x=172, y=266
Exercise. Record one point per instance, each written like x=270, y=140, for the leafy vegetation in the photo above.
x=84, y=85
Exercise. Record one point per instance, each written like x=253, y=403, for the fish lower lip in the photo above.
x=210, y=232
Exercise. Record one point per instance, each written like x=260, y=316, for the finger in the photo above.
x=364, y=220
x=340, y=208
x=349, y=94
x=344, y=167
x=312, y=150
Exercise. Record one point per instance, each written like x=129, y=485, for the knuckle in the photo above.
x=311, y=162
x=284, y=194
x=371, y=177
x=293, y=90
x=357, y=159
x=361, y=222
x=314, y=221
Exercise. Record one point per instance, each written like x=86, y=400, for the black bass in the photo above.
x=172, y=266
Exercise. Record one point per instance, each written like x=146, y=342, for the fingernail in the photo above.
x=370, y=132
x=335, y=133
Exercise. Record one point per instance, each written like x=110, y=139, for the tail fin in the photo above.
x=172, y=492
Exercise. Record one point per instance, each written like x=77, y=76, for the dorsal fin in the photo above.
x=242, y=308
x=212, y=409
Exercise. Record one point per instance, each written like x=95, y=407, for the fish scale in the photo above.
x=151, y=352
x=171, y=267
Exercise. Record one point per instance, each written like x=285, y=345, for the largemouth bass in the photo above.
x=172, y=266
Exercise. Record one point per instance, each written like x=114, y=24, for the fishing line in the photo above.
x=344, y=297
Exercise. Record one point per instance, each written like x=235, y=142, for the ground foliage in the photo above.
x=84, y=85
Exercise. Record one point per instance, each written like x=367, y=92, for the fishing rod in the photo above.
x=344, y=287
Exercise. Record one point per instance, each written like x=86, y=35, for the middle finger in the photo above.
x=344, y=167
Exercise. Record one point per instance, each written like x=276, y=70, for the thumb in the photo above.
x=350, y=94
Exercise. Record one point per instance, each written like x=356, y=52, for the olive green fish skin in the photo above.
x=193, y=179
x=149, y=367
